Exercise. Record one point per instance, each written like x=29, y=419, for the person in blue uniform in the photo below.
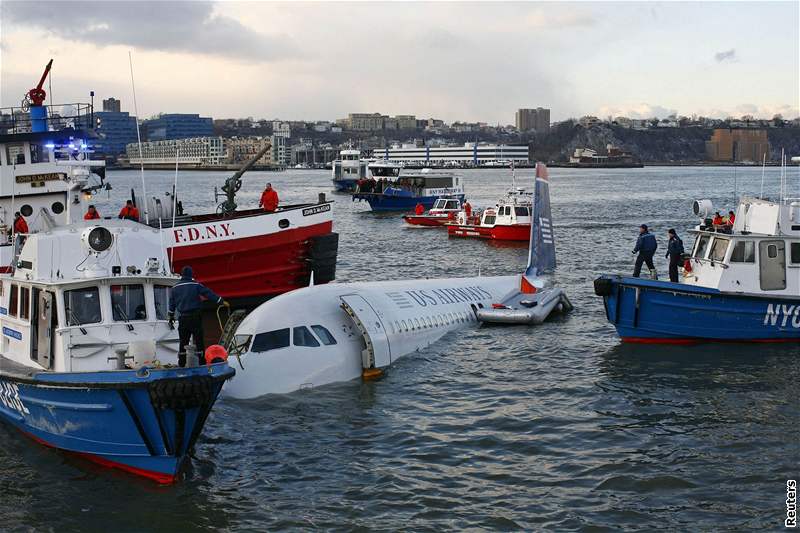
x=646, y=246
x=187, y=297
x=674, y=253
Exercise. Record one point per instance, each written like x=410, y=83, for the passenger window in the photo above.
x=745, y=252
x=127, y=303
x=701, y=247
x=405, y=326
x=303, y=337
x=489, y=219
x=82, y=306
x=161, y=298
x=521, y=211
x=324, y=335
x=13, y=298
x=795, y=252
x=718, y=249
x=271, y=340
x=25, y=303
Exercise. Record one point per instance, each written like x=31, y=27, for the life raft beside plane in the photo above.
x=527, y=308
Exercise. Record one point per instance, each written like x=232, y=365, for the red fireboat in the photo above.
x=510, y=220
x=444, y=210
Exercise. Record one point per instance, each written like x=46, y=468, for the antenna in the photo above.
x=139, y=138
x=174, y=202
x=763, y=168
x=734, y=187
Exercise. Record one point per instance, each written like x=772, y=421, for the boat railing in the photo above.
x=710, y=261
x=79, y=116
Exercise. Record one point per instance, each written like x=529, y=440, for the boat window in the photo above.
x=13, y=298
x=702, y=246
x=161, y=298
x=488, y=220
x=25, y=302
x=302, y=337
x=521, y=211
x=795, y=252
x=772, y=253
x=324, y=335
x=718, y=249
x=127, y=303
x=745, y=252
x=15, y=154
x=439, y=204
x=82, y=306
x=452, y=204
x=270, y=340
x=438, y=183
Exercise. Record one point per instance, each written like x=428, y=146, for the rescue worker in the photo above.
x=129, y=212
x=646, y=246
x=674, y=253
x=269, y=199
x=20, y=226
x=91, y=213
x=187, y=297
x=467, y=209
x=731, y=219
x=419, y=209
x=718, y=220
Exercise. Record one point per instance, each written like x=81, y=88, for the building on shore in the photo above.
x=468, y=153
x=115, y=130
x=379, y=122
x=738, y=145
x=240, y=150
x=197, y=151
x=537, y=120
x=613, y=155
x=112, y=104
x=169, y=126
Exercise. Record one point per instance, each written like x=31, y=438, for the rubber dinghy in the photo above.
x=533, y=303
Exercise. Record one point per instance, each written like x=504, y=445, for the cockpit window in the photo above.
x=303, y=337
x=271, y=340
x=127, y=303
x=702, y=246
x=324, y=335
x=521, y=211
x=82, y=306
x=719, y=248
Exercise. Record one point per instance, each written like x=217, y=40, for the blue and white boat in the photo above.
x=410, y=189
x=742, y=285
x=88, y=360
x=348, y=170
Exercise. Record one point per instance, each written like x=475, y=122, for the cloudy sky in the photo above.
x=456, y=61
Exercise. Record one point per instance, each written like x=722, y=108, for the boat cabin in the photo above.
x=445, y=205
x=83, y=296
x=428, y=183
x=349, y=166
x=759, y=254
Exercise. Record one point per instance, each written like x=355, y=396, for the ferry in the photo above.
x=244, y=255
x=88, y=359
x=410, y=189
x=348, y=169
x=742, y=284
x=443, y=211
x=509, y=220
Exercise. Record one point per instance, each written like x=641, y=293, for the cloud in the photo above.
x=188, y=27
x=638, y=111
x=726, y=55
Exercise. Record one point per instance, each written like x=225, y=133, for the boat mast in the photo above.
x=139, y=137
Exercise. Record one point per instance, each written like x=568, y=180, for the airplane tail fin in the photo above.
x=542, y=248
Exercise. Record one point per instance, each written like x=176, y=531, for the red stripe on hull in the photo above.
x=649, y=340
x=497, y=233
x=262, y=266
x=425, y=221
x=158, y=477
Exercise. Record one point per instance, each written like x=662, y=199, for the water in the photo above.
x=557, y=427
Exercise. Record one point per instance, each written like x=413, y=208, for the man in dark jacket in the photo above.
x=646, y=246
x=187, y=297
x=674, y=253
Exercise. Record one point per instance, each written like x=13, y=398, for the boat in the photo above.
x=348, y=169
x=412, y=188
x=443, y=211
x=509, y=220
x=88, y=359
x=742, y=284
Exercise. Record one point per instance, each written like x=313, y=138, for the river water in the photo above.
x=556, y=427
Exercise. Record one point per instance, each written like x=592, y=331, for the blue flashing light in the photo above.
x=72, y=145
x=50, y=145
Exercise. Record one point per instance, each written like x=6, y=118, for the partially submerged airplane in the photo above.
x=341, y=331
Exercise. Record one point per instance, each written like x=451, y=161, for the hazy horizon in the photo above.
x=475, y=62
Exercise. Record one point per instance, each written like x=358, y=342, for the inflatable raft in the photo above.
x=524, y=308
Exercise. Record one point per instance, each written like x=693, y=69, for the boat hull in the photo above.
x=344, y=185
x=517, y=232
x=648, y=311
x=399, y=202
x=144, y=423
x=426, y=220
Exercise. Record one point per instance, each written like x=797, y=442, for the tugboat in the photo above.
x=88, y=360
x=347, y=170
x=410, y=189
x=443, y=211
x=742, y=284
x=509, y=220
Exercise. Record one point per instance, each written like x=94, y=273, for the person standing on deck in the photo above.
x=269, y=199
x=91, y=214
x=20, y=226
x=129, y=212
x=674, y=253
x=467, y=209
x=646, y=246
x=419, y=209
x=187, y=297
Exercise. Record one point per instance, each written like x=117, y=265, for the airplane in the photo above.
x=341, y=331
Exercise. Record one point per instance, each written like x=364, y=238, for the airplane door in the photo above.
x=377, y=353
x=44, y=329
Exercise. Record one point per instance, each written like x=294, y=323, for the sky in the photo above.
x=470, y=61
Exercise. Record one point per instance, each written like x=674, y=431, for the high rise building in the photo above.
x=177, y=126
x=737, y=145
x=537, y=120
x=112, y=105
x=115, y=130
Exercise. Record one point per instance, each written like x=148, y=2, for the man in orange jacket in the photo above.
x=468, y=209
x=269, y=199
x=420, y=209
x=20, y=226
x=129, y=212
x=91, y=214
